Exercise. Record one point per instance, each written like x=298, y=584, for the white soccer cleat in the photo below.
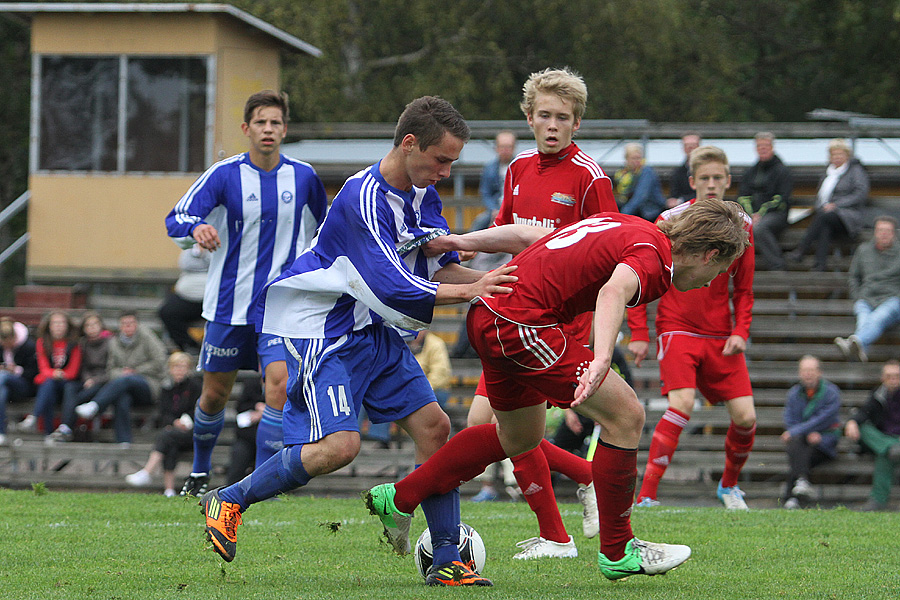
x=732, y=497
x=538, y=547
x=644, y=558
x=590, y=521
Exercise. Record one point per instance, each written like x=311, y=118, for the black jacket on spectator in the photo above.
x=176, y=399
x=874, y=410
x=26, y=357
x=766, y=187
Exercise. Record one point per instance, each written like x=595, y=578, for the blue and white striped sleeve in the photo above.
x=195, y=205
x=371, y=248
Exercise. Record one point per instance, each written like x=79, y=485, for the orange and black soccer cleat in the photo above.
x=454, y=573
x=222, y=519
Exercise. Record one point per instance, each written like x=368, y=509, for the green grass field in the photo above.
x=122, y=546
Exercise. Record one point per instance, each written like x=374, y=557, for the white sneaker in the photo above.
x=732, y=497
x=791, y=504
x=2, y=439
x=139, y=479
x=843, y=345
x=88, y=410
x=28, y=424
x=169, y=493
x=802, y=488
x=538, y=547
x=857, y=349
x=590, y=521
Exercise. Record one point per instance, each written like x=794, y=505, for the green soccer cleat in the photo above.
x=643, y=558
x=380, y=502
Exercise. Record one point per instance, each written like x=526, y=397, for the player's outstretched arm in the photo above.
x=493, y=282
x=504, y=238
x=608, y=314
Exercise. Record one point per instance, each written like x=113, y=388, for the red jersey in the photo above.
x=561, y=274
x=62, y=354
x=554, y=190
x=704, y=311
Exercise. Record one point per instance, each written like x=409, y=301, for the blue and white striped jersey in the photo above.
x=365, y=265
x=264, y=220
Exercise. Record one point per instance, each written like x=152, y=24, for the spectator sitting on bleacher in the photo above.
x=874, y=288
x=94, y=344
x=18, y=367
x=136, y=367
x=637, y=187
x=765, y=194
x=876, y=425
x=843, y=192
x=177, y=399
x=59, y=361
x=812, y=427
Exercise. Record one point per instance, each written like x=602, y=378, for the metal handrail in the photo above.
x=15, y=207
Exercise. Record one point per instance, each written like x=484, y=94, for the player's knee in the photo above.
x=439, y=428
x=212, y=401
x=744, y=421
x=340, y=450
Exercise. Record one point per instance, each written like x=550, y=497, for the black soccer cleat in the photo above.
x=195, y=484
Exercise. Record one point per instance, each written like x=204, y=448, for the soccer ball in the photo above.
x=471, y=550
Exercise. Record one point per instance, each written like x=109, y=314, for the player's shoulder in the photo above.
x=583, y=161
x=523, y=157
x=301, y=166
x=674, y=211
x=361, y=183
x=226, y=164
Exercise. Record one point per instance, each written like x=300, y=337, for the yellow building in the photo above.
x=129, y=103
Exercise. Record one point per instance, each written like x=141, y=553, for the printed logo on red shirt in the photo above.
x=564, y=199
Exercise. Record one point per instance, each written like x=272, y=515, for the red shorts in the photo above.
x=689, y=361
x=525, y=366
x=579, y=328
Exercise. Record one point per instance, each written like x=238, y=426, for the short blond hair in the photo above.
x=180, y=357
x=840, y=144
x=633, y=148
x=708, y=225
x=565, y=83
x=708, y=154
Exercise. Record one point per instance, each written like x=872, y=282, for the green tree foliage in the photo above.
x=664, y=60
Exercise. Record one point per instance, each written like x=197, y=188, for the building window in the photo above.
x=123, y=113
x=79, y=108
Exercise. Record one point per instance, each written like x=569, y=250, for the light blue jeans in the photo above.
x=871, y=323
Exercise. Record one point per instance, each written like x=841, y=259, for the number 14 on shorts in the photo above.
x=338, y=401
